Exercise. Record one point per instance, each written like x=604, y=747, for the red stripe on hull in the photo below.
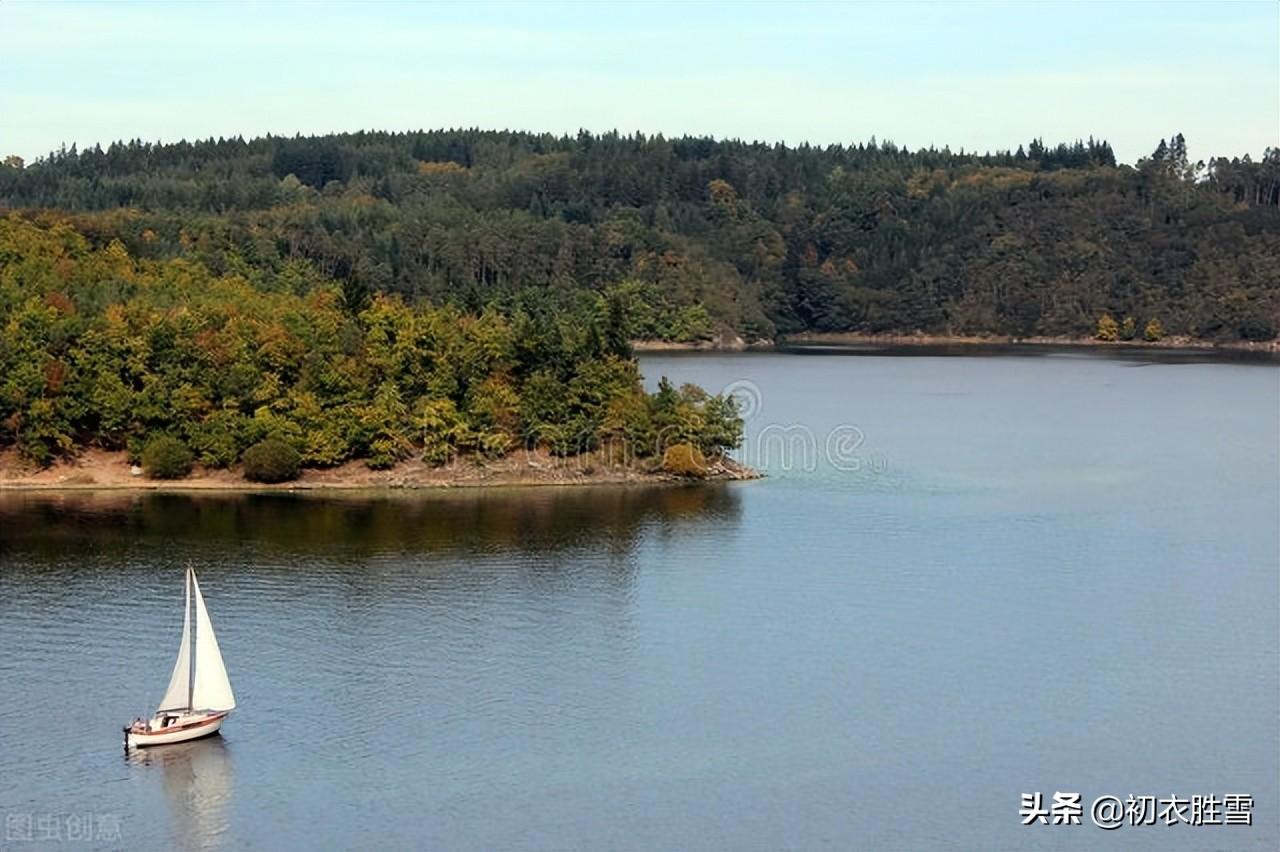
x=175, y=728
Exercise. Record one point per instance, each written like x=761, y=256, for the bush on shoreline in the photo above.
x=166, y=458
x=684, y=460
x=271, y=461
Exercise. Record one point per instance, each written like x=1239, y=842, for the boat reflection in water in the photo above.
x=196, y=778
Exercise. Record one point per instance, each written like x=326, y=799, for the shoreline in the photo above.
x=1173, y=344
x=720, y=343
x=852, y=339
x=102, y=470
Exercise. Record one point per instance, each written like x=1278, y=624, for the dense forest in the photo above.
x=100, y=348
x=376, y=295
x=691, y=237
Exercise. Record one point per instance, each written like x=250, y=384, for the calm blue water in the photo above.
x=965, y=579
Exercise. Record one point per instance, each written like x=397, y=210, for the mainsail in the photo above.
x=211, y=689
x=202, y=683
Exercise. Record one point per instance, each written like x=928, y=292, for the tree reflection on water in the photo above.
x=355, y=523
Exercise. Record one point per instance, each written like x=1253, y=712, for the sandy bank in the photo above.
x=99, y=469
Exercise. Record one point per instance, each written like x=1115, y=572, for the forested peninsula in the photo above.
x=164, y=363
x=391, y=297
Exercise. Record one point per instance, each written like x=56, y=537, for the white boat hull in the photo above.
x=184, y=729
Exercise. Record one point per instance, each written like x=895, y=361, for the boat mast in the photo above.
x=191, y=675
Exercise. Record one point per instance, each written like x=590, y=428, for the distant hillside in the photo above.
x=702, y=235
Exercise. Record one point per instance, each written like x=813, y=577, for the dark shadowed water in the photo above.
x=964, y=580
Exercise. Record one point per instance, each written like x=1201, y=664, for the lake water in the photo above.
x=965, y=579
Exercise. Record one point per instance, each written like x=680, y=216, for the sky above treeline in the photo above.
x=971, y=75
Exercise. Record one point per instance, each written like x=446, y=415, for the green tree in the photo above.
x=723, y=426
x=443, y=430
x=386, y=423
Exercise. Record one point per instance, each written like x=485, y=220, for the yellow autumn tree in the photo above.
x=1108, y=329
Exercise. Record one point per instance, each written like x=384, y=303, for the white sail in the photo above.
x=175, y=697
x=212, y=688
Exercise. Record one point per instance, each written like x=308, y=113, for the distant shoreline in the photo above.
x=101, y=470
x=855, y=340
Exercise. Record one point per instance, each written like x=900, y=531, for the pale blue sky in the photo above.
x=967, y=74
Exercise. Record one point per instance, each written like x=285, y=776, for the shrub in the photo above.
x=1108, y=329
x=1128, y=328
x=166, y=458
x=271, y=460
x=1154, y=331
x=493, y=444
x=684, y=460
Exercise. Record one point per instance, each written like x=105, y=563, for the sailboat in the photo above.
x=199, y=695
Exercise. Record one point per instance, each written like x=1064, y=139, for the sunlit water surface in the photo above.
x=964, y=579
